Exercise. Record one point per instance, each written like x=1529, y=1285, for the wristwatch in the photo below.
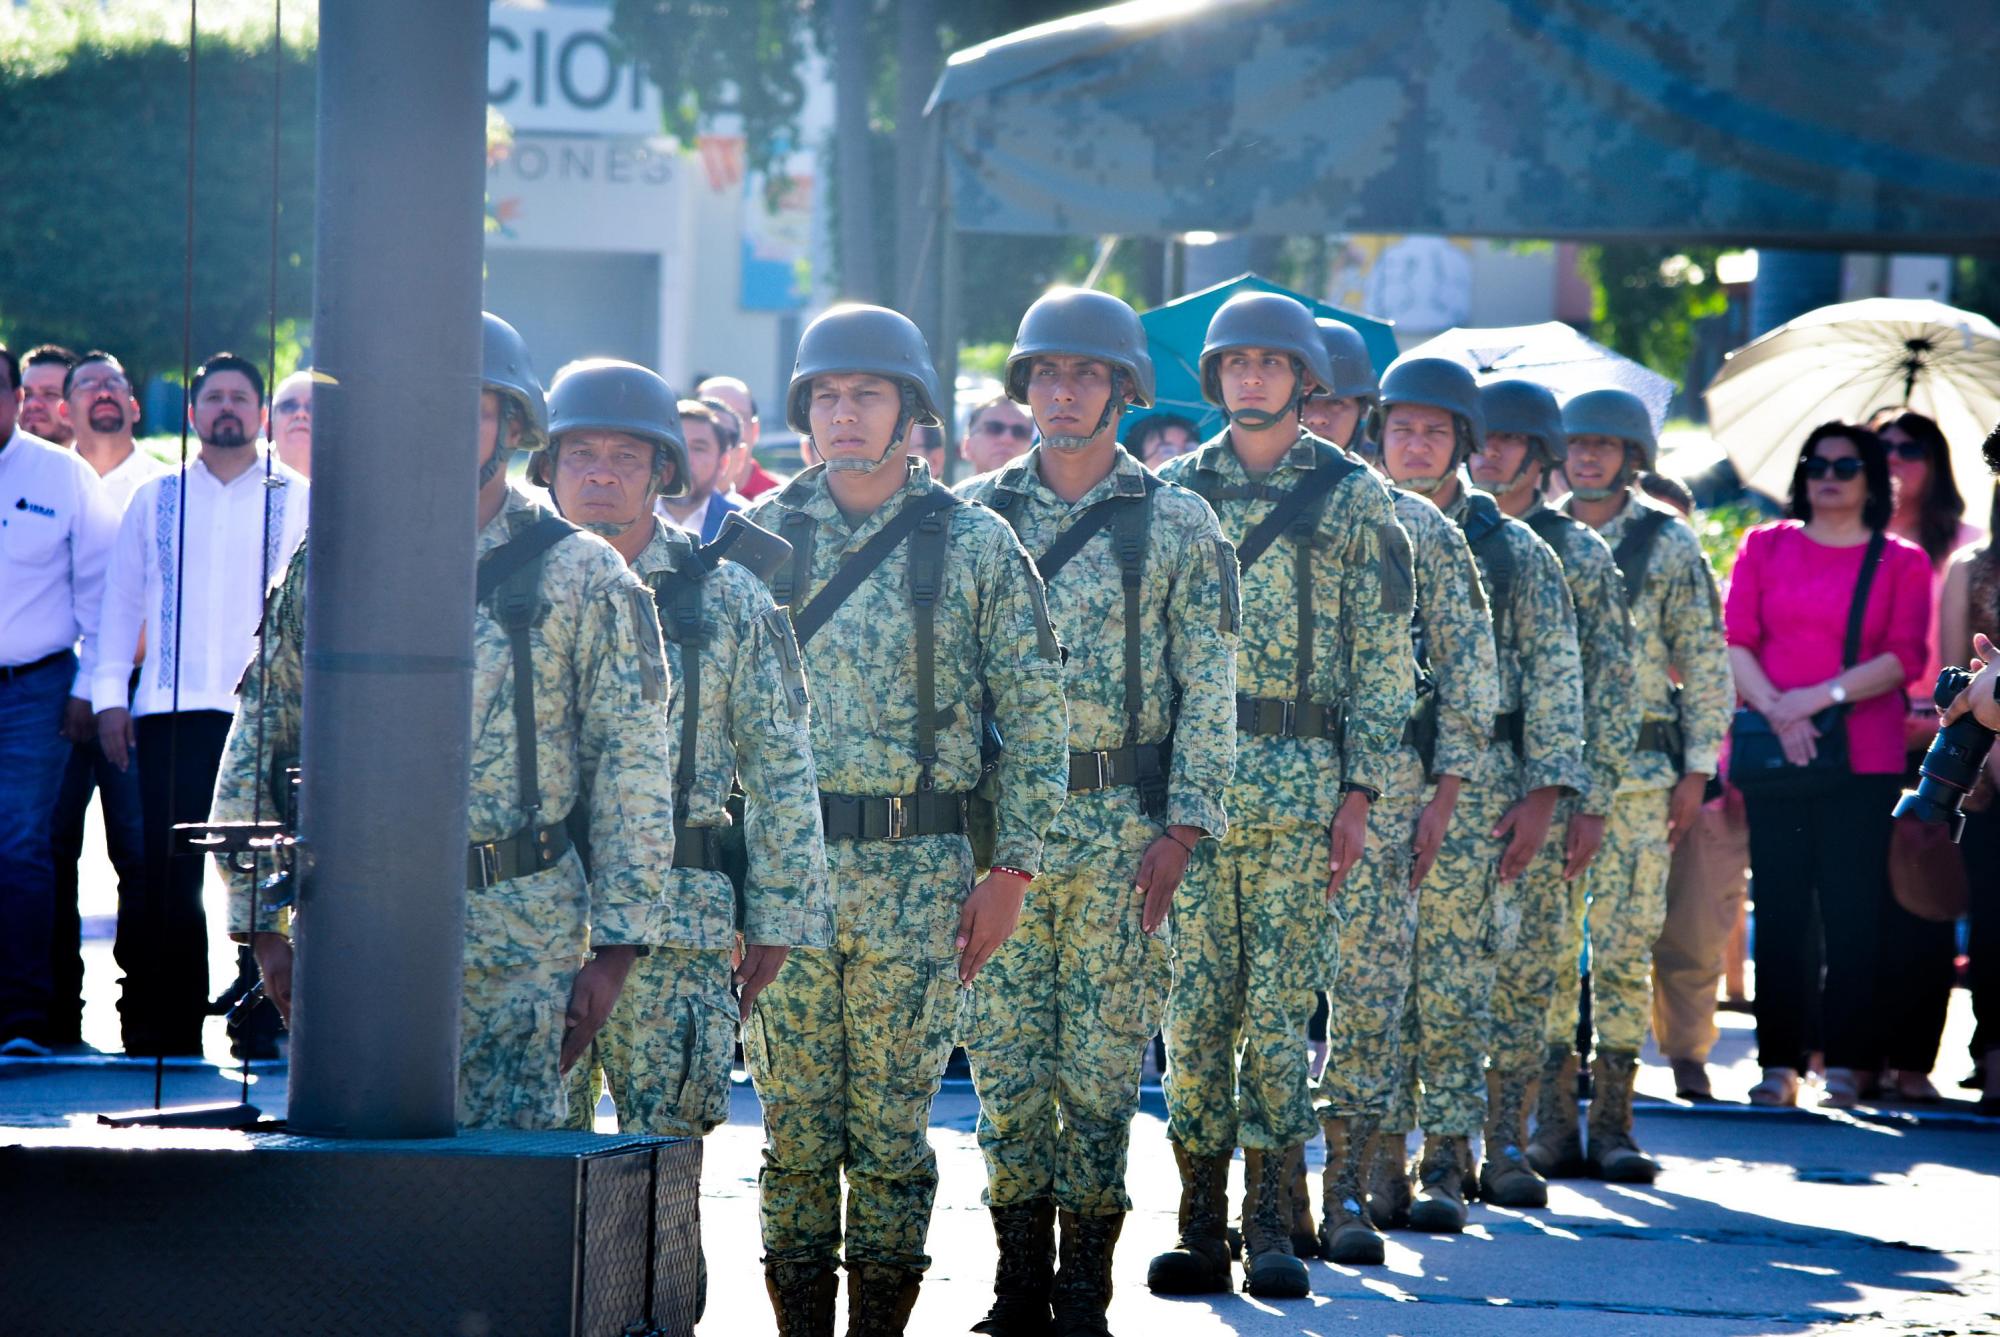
x=1366, y=791
x=1837, y=692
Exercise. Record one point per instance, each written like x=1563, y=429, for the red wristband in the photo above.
x=1021, y=873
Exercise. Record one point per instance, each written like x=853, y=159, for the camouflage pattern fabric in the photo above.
x=1677, y=629
x=1057, y=1031
x=1062, y=1013
x=600, y=684
x=666, y=1049
x=847, y=1045
x=1254, y=934
x=1548, y=904
x=1253, y=937
x=1378, y=922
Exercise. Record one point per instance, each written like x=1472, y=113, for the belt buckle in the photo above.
x=1288, y=718
x=489, y=864
x=899, y=824
x=1102, y=760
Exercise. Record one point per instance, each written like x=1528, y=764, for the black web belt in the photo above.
x=1273, y=717
x=1113, y=767
x=698, y=847
x=933, y=812
x=514, y=856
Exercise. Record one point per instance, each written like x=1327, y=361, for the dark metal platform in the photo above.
x=488, y=1234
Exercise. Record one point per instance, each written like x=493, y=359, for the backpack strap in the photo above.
x=510, y=583
x=1635, y=549
x=1485, y=529
x=861, y=563
x=932, y=524
x=791, y=581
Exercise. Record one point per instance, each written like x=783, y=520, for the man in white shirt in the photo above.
x=195, y=552
x=55, y=527
x=43, y=371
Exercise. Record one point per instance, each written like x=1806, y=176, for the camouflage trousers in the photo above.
x=1621, y=902
x=665, y=1051
x=1058, y=1026
x=847, y=1047
x=1540, y=957
x=1378, y=935
x=1253, y=937
x=1463, y=921
x=510, y=1033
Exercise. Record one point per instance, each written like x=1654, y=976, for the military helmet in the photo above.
x=508, y=371
x=1529, y=409
x=1347, y=358
x=1440, y=383
x=1264, y=320
x=1081, y=322
x=853, y=338
x=1613, y=412
x=605, y=395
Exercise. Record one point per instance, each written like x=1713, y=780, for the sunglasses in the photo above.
x=1017, y=430
x=1910, y=450
x=293, y=406
x=1845, y=469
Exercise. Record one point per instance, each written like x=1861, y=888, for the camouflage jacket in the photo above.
x=753, y=731
x=993, y=634
x=600, y=689
x=1677, y=629
x=1455, y=633
x=1188, y=628
x=1362, y=599
x=1604, y=634
x=1541, y=669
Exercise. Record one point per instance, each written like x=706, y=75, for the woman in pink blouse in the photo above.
x=1819, y=866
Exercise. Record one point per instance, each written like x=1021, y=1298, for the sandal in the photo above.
x=1779, y=1088
x=1843, y=1089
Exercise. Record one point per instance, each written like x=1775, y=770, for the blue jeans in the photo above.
x=32, y=754
x=124, y=840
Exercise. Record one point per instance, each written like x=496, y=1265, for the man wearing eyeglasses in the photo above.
x=997, y=434
x=291, y=426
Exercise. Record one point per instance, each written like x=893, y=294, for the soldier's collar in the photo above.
x=1024, y=477
x=669, y=549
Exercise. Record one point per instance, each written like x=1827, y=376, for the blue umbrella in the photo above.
x=1174, y=333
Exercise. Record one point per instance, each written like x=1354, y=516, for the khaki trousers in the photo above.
x=1705, y=893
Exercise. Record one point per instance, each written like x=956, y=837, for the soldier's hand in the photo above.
x=1432, y=823
x=1685, y=805
x=117, y=736
x=1525, y=827
x=990, y=914
x=591, y=999
x=758, y=968
x=1581, y=843
x=274, y=962
x=1161, y=869
x=1347, y=839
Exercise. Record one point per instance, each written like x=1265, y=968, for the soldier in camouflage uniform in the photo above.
x=1524, y=440
x=1324, y=678
x=1340, y=412
x=910, y=606
x=1467, y=918
x=545, y=954
x=1063, y=1012
x=1443, y=745
x=1677, y=631
x=614, y=445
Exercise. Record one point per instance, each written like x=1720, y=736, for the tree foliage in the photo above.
x=94, y=217
x=1646, y=299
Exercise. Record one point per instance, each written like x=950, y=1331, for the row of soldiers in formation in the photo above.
x=1128, y=749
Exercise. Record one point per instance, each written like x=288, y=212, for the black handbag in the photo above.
x=1757, y=761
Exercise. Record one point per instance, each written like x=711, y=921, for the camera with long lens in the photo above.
x=1951, y=767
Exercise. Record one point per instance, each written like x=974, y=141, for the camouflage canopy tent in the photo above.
x=1867, y=125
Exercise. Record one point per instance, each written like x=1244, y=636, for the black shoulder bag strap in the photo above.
x=1857, y=609
x=1635, y=550
x=511, y=575
x=862, y=562
x=927, y=551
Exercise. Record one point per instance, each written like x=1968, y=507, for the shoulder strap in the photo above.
x=525, y=547
x=799, y=530
x=1072, y=540
x=1857, y=608
x=511, y=576
x=1551, y=527
x=1485, y=533
x=1134, y=520
x=677, y=594
x=1314, y=488
x=1635, y=549
x=862, y=562
x=932, y=524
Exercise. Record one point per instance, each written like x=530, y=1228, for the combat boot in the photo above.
x=1298, y=1199
x=1441, y=1176
x=879, y=1299
x=802, y=1297
x=1271, y=1270
x=1025, y=1273
x=1506, y=1179
x=1556, y=1149
x=1199, y=1263
x=1345, y=1234
x=1388, y=1180
x=1613, y=1155
x=1083, y=1287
